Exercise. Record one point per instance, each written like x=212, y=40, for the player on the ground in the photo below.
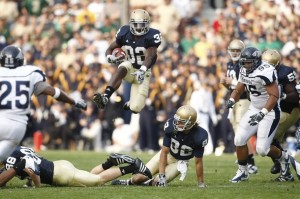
x=140, y=42
x=26, y=164
x=235, y=49
x=288, y=99
x=17, y=84
x=183, y=140
x=263, y=115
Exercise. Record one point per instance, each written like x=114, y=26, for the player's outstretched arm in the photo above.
x=46, y=89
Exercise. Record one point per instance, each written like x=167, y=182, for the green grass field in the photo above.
x=218, y=171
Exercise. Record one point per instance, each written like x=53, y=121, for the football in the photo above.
x=119, y=52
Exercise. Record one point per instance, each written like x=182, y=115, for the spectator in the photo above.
x=124, y=137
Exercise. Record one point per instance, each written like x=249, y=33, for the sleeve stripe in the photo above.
x=43, y=75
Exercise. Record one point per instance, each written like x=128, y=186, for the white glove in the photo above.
x=162, y=180
x=113, y=59
x=182, y=168
x=31, y=164
x=140, y=74
x=80, y=103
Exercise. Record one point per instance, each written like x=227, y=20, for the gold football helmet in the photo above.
x=235, y=49
x=139, y=22
x=185, y=118
x=271, y=57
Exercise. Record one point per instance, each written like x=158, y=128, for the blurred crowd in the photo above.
x=68, y=39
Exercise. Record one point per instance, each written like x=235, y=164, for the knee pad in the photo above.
x=263, y=151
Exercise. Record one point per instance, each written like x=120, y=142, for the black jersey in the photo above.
x=45, y=167
x=185, y=146
x=286, y=75
x=135, y=46
x=233, y=71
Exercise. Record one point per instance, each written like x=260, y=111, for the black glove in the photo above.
x=256, y=118
x=80, y=103
x=229, y=103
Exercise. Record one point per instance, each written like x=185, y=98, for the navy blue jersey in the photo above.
x=135, y=46
x=286, y=75
x=233, y=71
x=46, y=167
x=185, y=146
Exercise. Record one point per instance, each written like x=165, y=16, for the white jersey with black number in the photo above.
x=16, y=88
x=256, y=81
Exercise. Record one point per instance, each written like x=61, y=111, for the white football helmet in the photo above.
x=139, y=22
x=235, y=49
x=185, y=118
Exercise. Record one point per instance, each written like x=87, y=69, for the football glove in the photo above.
x=229, y=103
x=162, y=180
x=140, y=74
x=80, y=103
x=256, y=118
x=113, y=59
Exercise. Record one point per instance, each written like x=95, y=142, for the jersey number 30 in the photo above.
x=22, y=91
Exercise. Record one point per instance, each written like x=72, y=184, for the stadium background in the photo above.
x=68, y=39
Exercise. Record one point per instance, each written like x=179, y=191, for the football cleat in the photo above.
x=275, y=168
x=285, y=166
x=126, y=106
x=240, y=176
x=296, y=166
x=100, y=100
x=120, y=182
x=288, y=177
x=141, y=168
x=252, y=169
x=117, y=159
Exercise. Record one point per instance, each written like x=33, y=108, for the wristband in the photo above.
x=231, y=99
x=143, y=68
x=264, y=111
x=57, y=93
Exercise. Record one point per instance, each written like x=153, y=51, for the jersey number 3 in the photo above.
x=22, y=91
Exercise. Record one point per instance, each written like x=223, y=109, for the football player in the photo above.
x=262, y=117
x=26, y=164
x=288, y=99
x=183, y=140
x=17, y=83
x=140, y=42
x=235, y=49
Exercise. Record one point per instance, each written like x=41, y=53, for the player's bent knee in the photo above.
x=239, y=140
x=136, y=108
x=263, y=151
